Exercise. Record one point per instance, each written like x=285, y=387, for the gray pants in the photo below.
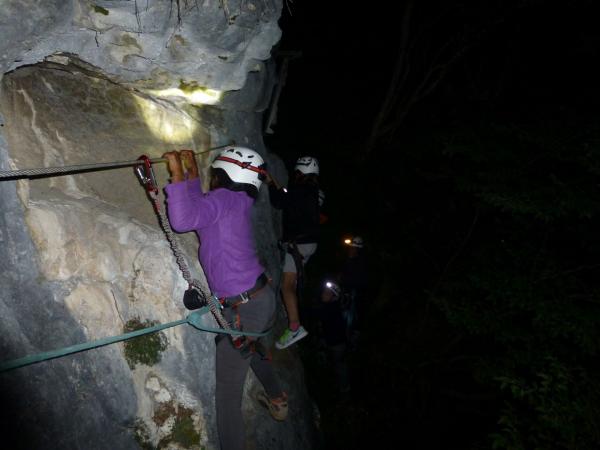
x=256, y=316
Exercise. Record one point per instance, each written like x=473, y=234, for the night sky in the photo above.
x=543, y=52
x=480, y=212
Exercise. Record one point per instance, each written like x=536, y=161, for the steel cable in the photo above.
x=47, y=171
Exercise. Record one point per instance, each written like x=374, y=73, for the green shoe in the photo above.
x=289, y=337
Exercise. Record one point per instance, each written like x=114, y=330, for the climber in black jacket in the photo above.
x=301, y=217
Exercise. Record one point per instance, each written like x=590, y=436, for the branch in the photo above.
x=387, y=126
x=397, y=76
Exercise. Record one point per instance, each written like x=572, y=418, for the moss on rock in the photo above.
x=101, y=10
x=145, y=349
x=142, y=436
x=183, y=432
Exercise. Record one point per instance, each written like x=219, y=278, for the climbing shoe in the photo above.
x=289, y=337
x=278, y=407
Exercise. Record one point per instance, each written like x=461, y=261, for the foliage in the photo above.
x=555, y=407
x=183, y=431
x=142, y=435
x=523, y=277
x=485, y=329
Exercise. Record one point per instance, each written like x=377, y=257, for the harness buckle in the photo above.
x=145, y=175
x=245, y=297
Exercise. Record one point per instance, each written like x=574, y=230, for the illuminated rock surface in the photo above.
x=154, y=43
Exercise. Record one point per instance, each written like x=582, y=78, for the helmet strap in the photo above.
x=243, y=165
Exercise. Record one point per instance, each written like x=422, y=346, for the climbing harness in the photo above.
x=244, y=297
x=230, y=305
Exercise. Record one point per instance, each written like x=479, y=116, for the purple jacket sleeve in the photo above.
x=187, y=210
x=194, y=188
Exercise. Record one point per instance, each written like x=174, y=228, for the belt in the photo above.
x=229, y=302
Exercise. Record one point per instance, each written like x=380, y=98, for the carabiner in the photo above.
x=145, y=174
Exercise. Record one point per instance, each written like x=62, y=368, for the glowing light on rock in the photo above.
x=166, y=123
x=195, y=96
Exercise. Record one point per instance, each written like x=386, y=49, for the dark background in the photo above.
x=473, y=179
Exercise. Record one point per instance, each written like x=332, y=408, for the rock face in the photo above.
x=82, y=256
x=155, y=43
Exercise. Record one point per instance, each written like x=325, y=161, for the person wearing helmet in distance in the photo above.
x=301, y=219
x=331, y=316
x=221, y=220
x=354, y=276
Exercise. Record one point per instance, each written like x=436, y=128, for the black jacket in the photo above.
x=333, y=322
x=355, y=274
x=300, y=206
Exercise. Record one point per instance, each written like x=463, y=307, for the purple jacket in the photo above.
x=221, y=219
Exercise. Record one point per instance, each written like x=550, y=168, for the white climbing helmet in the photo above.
x=333, y=287
x=307, y=165
x=242, y=165
x=356, y=241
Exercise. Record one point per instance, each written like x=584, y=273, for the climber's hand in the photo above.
x=189, y=162
x=175, y=166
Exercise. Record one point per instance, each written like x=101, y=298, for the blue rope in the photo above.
x=194, y=319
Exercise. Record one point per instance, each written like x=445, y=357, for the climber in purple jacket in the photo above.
x=221, y=220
